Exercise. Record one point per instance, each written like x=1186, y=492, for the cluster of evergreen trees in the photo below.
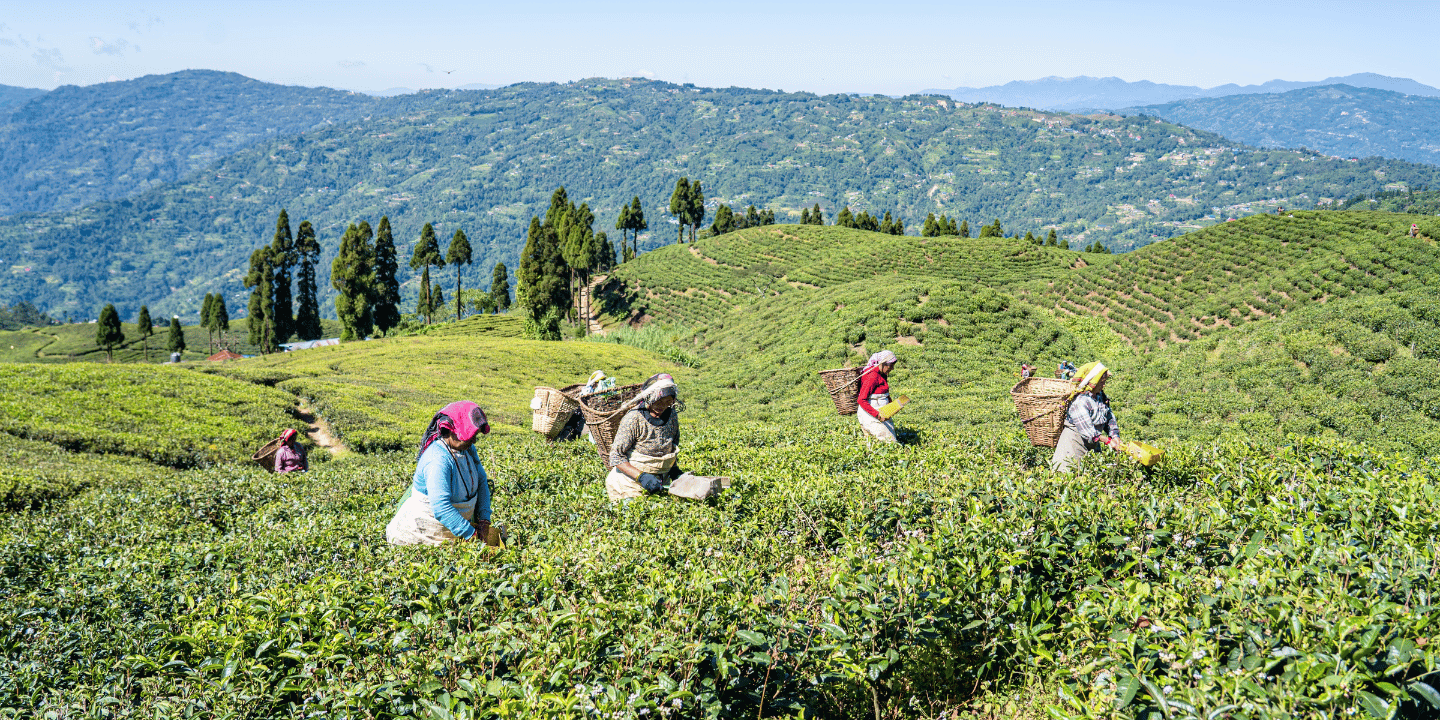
x=727, y=220
x=630, y=223
x=687, y=204
x=364, y=270
x=274, y=311
x=866, y=221
x=560, y=252
x=110, y=335
x=812, y=217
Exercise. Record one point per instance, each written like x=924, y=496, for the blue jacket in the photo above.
x=438, y=476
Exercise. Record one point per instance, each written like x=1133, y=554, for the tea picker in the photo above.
x=1075, y=418
x=874, y=409
x=449, y=496
x=646, y=446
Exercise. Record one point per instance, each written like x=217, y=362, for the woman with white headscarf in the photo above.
x=647, y=443
x=875, y=394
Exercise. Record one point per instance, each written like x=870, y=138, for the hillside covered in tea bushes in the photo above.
x=1186, y=322
x=486, y=161
x=1280, y=564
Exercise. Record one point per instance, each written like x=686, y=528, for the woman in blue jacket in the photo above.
x=449, y=497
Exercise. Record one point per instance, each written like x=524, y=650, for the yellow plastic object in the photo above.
x=1146, y=455
x=888, y=411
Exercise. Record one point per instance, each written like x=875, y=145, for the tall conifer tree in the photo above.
x=282, y=264
x=500, y=287
x=108, y=333
x=352, y=273
x=680, y=205
x=387, y=285
x=697, y=208
x=176, y=340
x=427, y=253
x=542, y=287
x=220, y=317
x=307, y=311
x=259, y=281
x=458, y=254
x=146, y=327
x=207, y=310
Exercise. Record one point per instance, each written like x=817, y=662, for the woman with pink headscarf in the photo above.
x=291, y=455
x=875, y=394
x=449, y=497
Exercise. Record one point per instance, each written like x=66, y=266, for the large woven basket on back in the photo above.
x=603, y=413
x=552, y=409
x=265, y=456
x=843, y=384
x=1041, y=404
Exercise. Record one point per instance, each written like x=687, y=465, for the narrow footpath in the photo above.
x=318, y=430
x=592, y=321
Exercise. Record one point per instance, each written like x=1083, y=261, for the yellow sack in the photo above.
x=1146, y=455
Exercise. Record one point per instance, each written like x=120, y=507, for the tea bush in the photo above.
x=162, y=414
x=833, y=579
x=379, y=395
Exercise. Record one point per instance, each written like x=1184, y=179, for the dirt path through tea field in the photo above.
x=319, y=430
x=592, y=323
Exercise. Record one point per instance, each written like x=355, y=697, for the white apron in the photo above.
x=873, y=426
x=619, y=486
x=414, y=522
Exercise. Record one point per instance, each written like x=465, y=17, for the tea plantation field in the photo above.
x=1187, y=323
x=833, y=580
x=1281, y=564
x=379, y=395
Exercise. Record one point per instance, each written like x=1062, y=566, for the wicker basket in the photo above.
x=265, y=456
x=1041, y=404
x=844, y=388
x=555, y=409
x=603, y=413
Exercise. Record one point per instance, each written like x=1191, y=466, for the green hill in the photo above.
x=1186, y=321
x=1352, y=122
x=74, y=146
x=1232, y=274
x=485, y=161
x=1261, y=571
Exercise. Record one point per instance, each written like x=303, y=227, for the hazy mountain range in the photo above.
x=1335, y=119
x=1086, y=93
x=484, y=161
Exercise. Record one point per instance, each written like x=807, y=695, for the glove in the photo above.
x=651, y=482
x=482, y=531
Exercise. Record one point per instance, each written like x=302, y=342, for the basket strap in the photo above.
x=848, y=384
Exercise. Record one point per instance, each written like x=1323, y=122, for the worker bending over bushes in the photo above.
x=875, y=394
x=449, y=498
x=642, y=458
x=1089, y=422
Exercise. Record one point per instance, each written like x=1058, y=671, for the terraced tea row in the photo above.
x=1194, y=285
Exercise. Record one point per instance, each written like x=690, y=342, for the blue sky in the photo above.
x=885, y=47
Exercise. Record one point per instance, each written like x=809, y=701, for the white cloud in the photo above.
x=646, y=74
x=352, y=63
x=51, y=59
x=100, y=47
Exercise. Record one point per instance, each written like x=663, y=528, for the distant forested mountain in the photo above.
x=1090, y=93
x=12, y=97
x=76, y=145
x=485, y=161
x=1335, y=120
